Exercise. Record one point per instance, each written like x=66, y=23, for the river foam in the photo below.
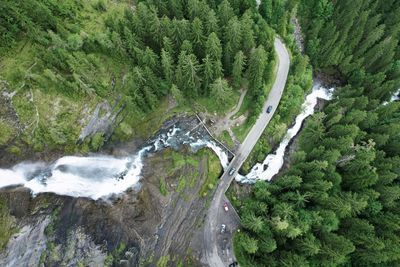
x=98, y=176
x=274, y=162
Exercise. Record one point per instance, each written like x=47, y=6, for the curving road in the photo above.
x=218, y=250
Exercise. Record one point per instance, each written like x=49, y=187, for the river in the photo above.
x=102, y=176
x=274, y=162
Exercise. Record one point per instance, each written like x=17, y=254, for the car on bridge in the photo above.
x=232, y=171
x=269, y=109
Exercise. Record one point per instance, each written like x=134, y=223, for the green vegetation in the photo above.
x=184, y=165
x=6, y=225
x=163, y=187
x=63, y=59
x=214, y=170
x=338, y=204
x=226, y=139
x=7, y=132
x=299, y=82
x=241, y=131
x=115, y=256
x=179, y=159
x=163, y=261
x=181, y=184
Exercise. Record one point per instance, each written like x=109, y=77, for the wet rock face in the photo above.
x=78, y=248
x=26, y=246
x=68, y=231
x=120, y=231
x=64, y=231
x=18, y=201
x=103, y=120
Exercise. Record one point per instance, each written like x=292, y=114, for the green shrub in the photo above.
x=97, y=141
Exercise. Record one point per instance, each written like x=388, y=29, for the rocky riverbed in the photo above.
x=141, y=226
x=159, y=217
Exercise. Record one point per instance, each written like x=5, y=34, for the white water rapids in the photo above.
x=102, y=176
x=96, y=176
x=273, y=162
x=394, y=97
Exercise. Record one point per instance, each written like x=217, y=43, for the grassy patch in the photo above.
x=163, y=261
x=163, y=187
x=193, y=179
x=181, y=184
x=214, y=170
x=226, y=139
x=246, y=104
x=179, y=159
x=192, y=161
x=7, y=132
x=210, y=105
x=6, y=225
x=241, y=131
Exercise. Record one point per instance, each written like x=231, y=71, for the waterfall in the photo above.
x=99, y=176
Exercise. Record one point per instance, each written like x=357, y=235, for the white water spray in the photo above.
x=394, y=97
x=273, y=162
x=222, y=155
x=97, y=176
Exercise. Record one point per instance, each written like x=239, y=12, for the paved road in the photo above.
x=218, y=250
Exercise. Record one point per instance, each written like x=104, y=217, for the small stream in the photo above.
x=101, y=176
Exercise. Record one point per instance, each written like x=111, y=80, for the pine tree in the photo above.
x=237, y=70
x=232, y=41
x=213, y=47
x=167, y=65
x=256, y=69
x=220, y=91
x=208, y=74
x=197, y=36
x=225, y=13
x=187, y=74
x=211, y=23
x=248, y=41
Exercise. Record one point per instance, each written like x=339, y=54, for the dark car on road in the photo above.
x=269, y=109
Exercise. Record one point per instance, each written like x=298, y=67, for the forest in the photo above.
x=338, y=204
x=133, y=54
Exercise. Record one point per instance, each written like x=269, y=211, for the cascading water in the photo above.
x=273, y=162
x=394, y=97
x=101, y=176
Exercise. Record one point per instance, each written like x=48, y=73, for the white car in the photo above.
x=223, y=228
x=226, y=206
